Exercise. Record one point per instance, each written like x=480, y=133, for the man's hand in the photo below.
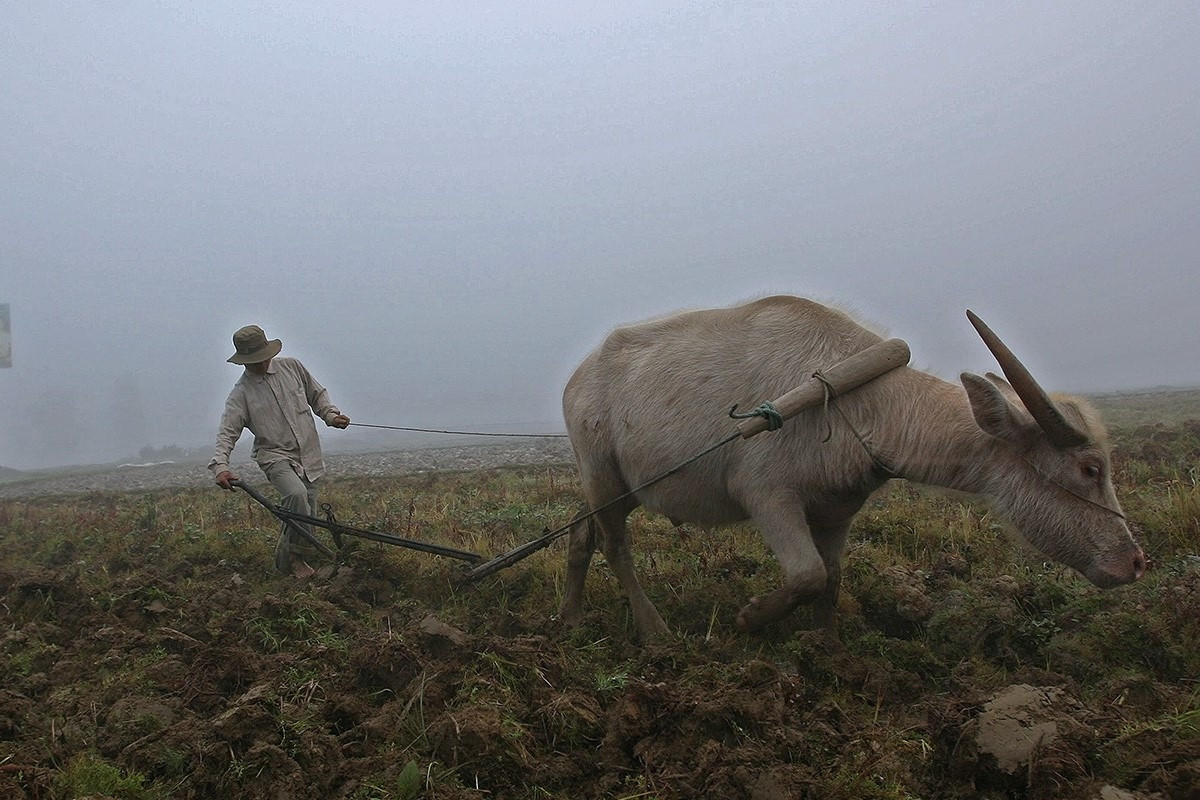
x=340, y=421
x=225, y=479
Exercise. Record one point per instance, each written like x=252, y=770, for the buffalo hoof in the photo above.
x=752, y=617
x=762, y=611
x=569, y=617
x=651, y=627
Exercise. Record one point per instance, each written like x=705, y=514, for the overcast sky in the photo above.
x=442, y=207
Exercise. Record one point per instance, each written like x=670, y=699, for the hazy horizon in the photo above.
x=442, y=208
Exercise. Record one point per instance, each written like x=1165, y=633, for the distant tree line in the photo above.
x=170, y=452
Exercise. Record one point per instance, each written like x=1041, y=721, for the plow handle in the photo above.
x=285, y=516
x=257, y=495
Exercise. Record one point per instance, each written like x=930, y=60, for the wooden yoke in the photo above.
x=842, y=377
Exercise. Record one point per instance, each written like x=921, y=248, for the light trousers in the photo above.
x=296, y=494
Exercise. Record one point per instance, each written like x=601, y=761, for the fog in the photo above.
x=442, y=207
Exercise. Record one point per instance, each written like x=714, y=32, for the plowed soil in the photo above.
x=206, y=676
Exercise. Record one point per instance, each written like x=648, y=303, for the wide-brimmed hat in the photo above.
x=252, y=346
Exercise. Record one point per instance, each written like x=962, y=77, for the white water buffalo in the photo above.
x=653, y=395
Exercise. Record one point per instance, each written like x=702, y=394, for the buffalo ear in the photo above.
x=993, y=411
x=1005, y=387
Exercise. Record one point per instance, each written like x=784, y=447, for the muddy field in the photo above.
x=150, y=652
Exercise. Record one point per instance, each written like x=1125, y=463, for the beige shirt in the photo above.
x=278, y=409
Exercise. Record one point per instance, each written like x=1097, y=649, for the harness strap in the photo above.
x=885, y=472
x=1071, y=491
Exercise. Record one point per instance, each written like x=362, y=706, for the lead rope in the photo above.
x=462, y=433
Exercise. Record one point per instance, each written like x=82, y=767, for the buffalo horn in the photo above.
x=1061, y=432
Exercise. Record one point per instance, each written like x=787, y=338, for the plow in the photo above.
x=821, y=388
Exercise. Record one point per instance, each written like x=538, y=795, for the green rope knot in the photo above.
x=767, y=411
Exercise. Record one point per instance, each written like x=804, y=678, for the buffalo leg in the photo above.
x=786, y=532
x=600, y=484
x=617, y=550
x=581, y=543
x=831, y=542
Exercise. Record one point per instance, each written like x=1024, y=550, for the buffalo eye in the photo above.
x=1092, y=471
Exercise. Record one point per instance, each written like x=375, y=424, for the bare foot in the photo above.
x=301, y=570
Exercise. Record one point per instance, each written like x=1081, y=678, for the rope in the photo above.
x=1048, y=479
x=881, y=467
x=767, y=410
x=830, y=393
x=463, y=433
x=878, y=465
x=518, y=553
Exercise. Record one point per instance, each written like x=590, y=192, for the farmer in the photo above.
x=273, y=399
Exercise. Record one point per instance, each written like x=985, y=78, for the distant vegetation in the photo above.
x=1165, y=406
x=171, y=452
